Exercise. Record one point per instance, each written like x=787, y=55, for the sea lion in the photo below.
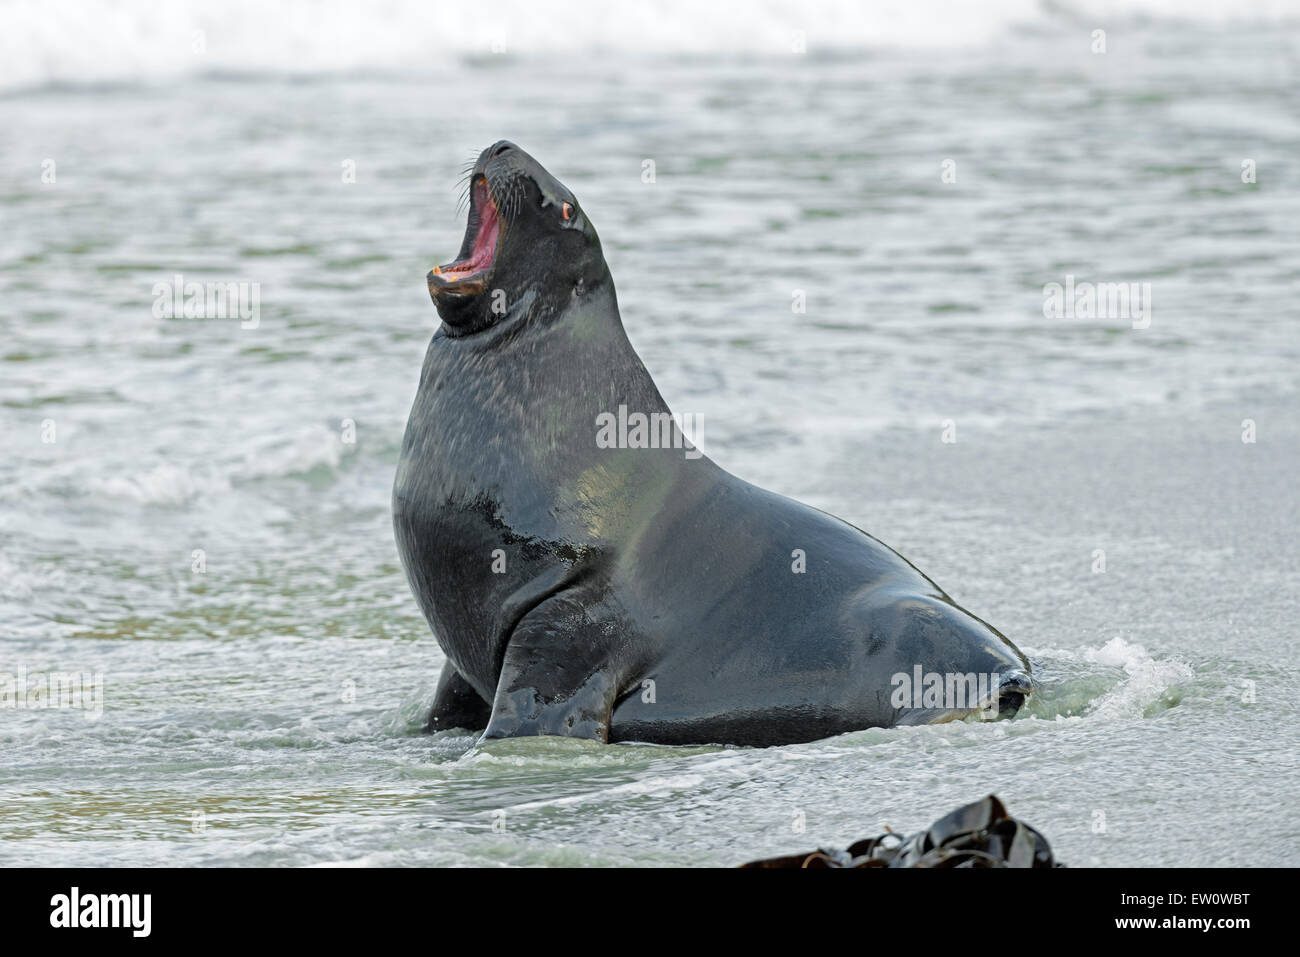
x=634, y=592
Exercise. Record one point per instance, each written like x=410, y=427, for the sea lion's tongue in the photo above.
x=485, y=238
x=485, y=242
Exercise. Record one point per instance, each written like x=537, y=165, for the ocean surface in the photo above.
x=194, y=512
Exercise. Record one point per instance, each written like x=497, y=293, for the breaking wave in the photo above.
x=116, y=41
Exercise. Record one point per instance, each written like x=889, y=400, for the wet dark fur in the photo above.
x=646, y=595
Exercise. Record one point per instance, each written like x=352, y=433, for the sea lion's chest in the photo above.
x=478, y=511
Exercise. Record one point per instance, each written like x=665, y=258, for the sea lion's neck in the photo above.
x=581, y=335
x=593, y=326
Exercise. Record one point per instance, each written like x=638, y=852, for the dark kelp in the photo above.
x=982, y=834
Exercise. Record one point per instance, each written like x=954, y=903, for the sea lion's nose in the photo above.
x=493, y=151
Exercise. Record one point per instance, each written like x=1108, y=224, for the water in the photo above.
x=266, y=709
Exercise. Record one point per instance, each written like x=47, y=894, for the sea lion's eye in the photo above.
x=567, y=211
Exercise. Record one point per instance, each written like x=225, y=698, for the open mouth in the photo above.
x=469, y=273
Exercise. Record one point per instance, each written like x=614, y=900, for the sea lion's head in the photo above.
x=528, y=247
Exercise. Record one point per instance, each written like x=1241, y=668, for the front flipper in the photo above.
x=456, y=704
x=559, y=676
